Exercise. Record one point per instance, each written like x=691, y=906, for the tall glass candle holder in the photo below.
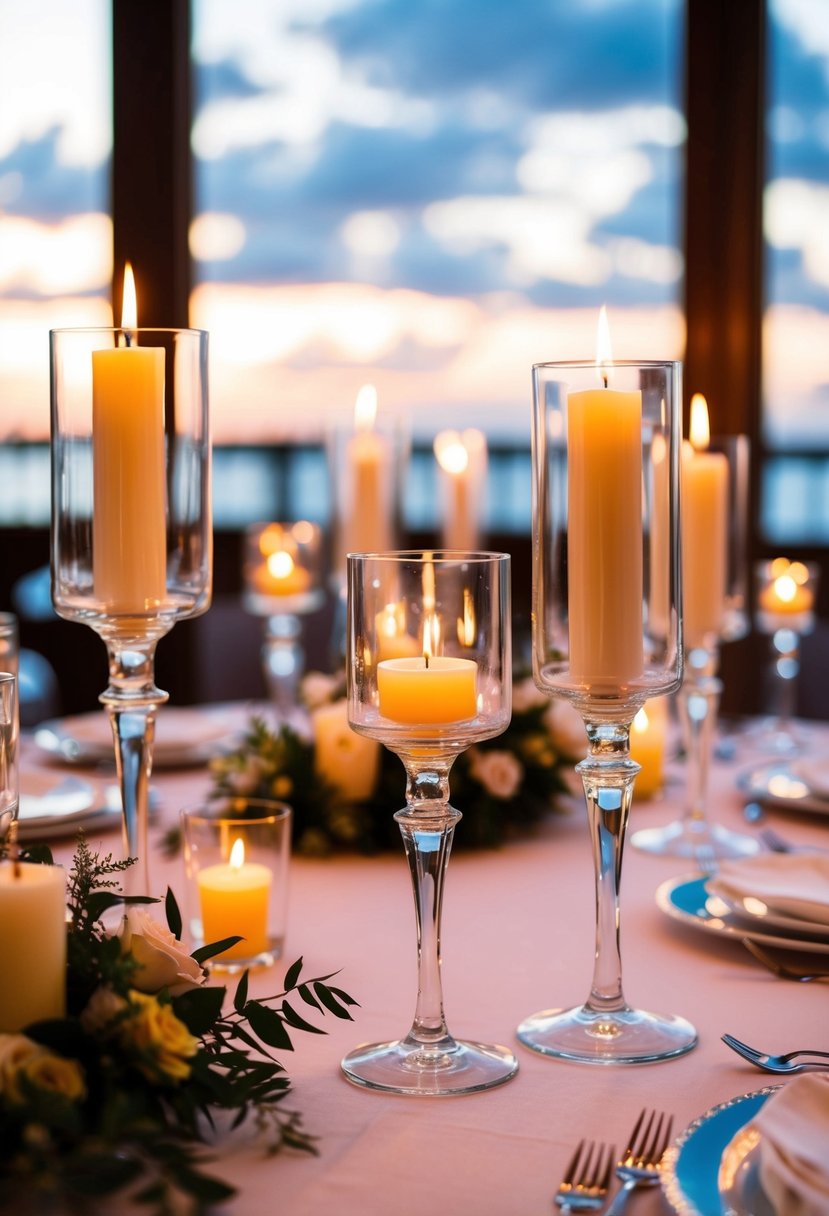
x=131, y=542
x=445, y=685
x=714, y=496
x=785, y=594
x=607, y=638
x=283, y=583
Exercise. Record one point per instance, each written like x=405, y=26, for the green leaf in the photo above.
x=240, y=999
x=202, y=1186
x=171, y=908
x=294, y=1019
x=268, y=1026
x=292, y=974
x=331, y=1003
x=213, y=948
x=308, y=996
x=343, y=996
x=199, y=1008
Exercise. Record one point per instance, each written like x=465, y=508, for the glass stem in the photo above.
x=427, y=825
x=786, y=645
x=131, y=700
x=698, y=701
x=608, y=774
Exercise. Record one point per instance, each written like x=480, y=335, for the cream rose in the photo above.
x=525, y=695
x=162, y=960
x=22, y=1057
x=566, y=728
x=498, y=772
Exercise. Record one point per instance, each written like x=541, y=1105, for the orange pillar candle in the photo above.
x=234, y=902
x=427, y=690
x=32, y=944
x=129, y=534
x=604, y=534
x=704, y=531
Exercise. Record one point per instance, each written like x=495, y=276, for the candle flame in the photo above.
x=640, y=722
x=237, y=854
x=365, y=408
x=604, y=351
x=280, y=564
x=800, y=573
x=785, y=588
x=451, y=452
x=129, y=305
x=700, y=429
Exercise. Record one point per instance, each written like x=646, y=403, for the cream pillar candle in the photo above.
x=704, y=531
x=604, y=533
x=32, y=944
x=129, y=534
x=462, y=462
x=368, y=522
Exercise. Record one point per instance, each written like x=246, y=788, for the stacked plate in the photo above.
x=794, y=785
x=182, y=737
x=52, y=807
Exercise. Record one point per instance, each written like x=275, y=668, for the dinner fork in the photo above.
x=639, y=1164
x=790, y=1062
x=792, y=969
x=584, y=1185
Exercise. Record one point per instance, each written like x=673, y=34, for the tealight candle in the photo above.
x=234, y=902
x=786, y=594
x=427, y=690
x=32, y=944
x=647, y=747
x=280, y=575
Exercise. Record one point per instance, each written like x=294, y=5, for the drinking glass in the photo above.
x=9, y=786
x=714, y=496
x=131, y=543
x=445, y=684
x=607, y=638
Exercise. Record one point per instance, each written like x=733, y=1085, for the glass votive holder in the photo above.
x=9, y=729
x=9, y=643
x=283, y=568
x=236, y=862
x=785, y=595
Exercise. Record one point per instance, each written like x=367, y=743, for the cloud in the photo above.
x=45, y=188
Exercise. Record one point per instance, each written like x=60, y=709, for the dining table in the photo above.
x=518, y=937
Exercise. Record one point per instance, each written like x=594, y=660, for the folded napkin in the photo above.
x=794, y=1146
x=789, y=884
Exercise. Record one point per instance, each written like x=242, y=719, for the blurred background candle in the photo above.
x=129, y=514
x=604, y=536
x=32, y=944
x=647, y=746
x=704, y=531
x=234, y=902
x=369, y=513
x=462, y=459
x=786, y=589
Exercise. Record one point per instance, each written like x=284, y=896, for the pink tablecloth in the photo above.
x=518, y=937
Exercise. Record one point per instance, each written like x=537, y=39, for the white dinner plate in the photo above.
x=688, y=900
x=785, y=784
x=690, y=1169
x=51, y=808
x=182, y=737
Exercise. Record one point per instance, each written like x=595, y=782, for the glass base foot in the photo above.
x=704, y=843
x=403, y=1067
x=626, y=1036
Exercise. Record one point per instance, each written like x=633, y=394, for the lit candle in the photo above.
x=346, y=760
x=604, y=539
x=647, y=747
x=704, y=531
x=427, y=690
x=234, y=902
x=129, y=533
x=279, y=575
x=786, y=594
x=32, y=944
x=462, y=462
x=368, y=523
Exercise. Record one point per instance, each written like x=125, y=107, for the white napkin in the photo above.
x=789, y=884
x=794, y=1146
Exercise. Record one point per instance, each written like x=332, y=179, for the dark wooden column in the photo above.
x=151, y=165
x=725, y=100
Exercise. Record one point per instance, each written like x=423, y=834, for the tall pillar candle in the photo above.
x=32, y=944
x=704, y=532
x=368, y=524
x=604, y=536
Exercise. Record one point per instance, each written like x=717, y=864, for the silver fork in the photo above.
x=790, y=1062
x=586, y=1179
x=639, y=1164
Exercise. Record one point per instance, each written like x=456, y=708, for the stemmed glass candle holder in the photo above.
x=605, y=544
x=283, y=582
x=451, y=688
x=714, y=476
x=784, y=611
x=131, y=519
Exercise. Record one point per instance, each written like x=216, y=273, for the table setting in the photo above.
x=174, y=939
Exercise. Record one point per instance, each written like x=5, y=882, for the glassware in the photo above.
x=9, y=734
x=785, y=594
x=236, y=860
x=443, y=684
x=715, y=490
x=283, y=582
x=131, y=521
x=605, y=542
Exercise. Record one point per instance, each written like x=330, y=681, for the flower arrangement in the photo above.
x=124, y=1090
x=342, y=786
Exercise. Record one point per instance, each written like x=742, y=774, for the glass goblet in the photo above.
x=131, y=521
x=444, y=685
x=605, y=544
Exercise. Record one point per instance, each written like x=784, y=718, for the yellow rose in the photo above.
x=55, y=1075
x=163, y=1040
x=15, y=1051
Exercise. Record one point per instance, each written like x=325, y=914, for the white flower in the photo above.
x=498, y=772
x=103, y=1009
x=526, y=696
x=162, y=960
x=566, y=728
x=318, y=689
